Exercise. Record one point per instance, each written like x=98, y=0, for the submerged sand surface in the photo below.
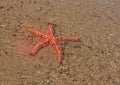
x=95, y=60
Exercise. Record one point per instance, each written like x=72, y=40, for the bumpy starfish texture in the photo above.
x=50, y=39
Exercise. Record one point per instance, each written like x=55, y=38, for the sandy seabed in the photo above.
x=95, y=60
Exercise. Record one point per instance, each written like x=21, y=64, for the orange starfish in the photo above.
x=49, y=39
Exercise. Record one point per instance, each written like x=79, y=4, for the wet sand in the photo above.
x=95, y=60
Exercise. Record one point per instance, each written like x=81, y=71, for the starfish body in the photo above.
x=49, y=39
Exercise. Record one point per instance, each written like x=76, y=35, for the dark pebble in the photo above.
x=14, y=35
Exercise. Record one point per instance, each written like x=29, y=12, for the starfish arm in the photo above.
x=39, y=34
x=37, y=46
x=59, y=51
x=50, y=29
x=68, y=39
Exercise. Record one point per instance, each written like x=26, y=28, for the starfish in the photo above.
x=51, y=40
